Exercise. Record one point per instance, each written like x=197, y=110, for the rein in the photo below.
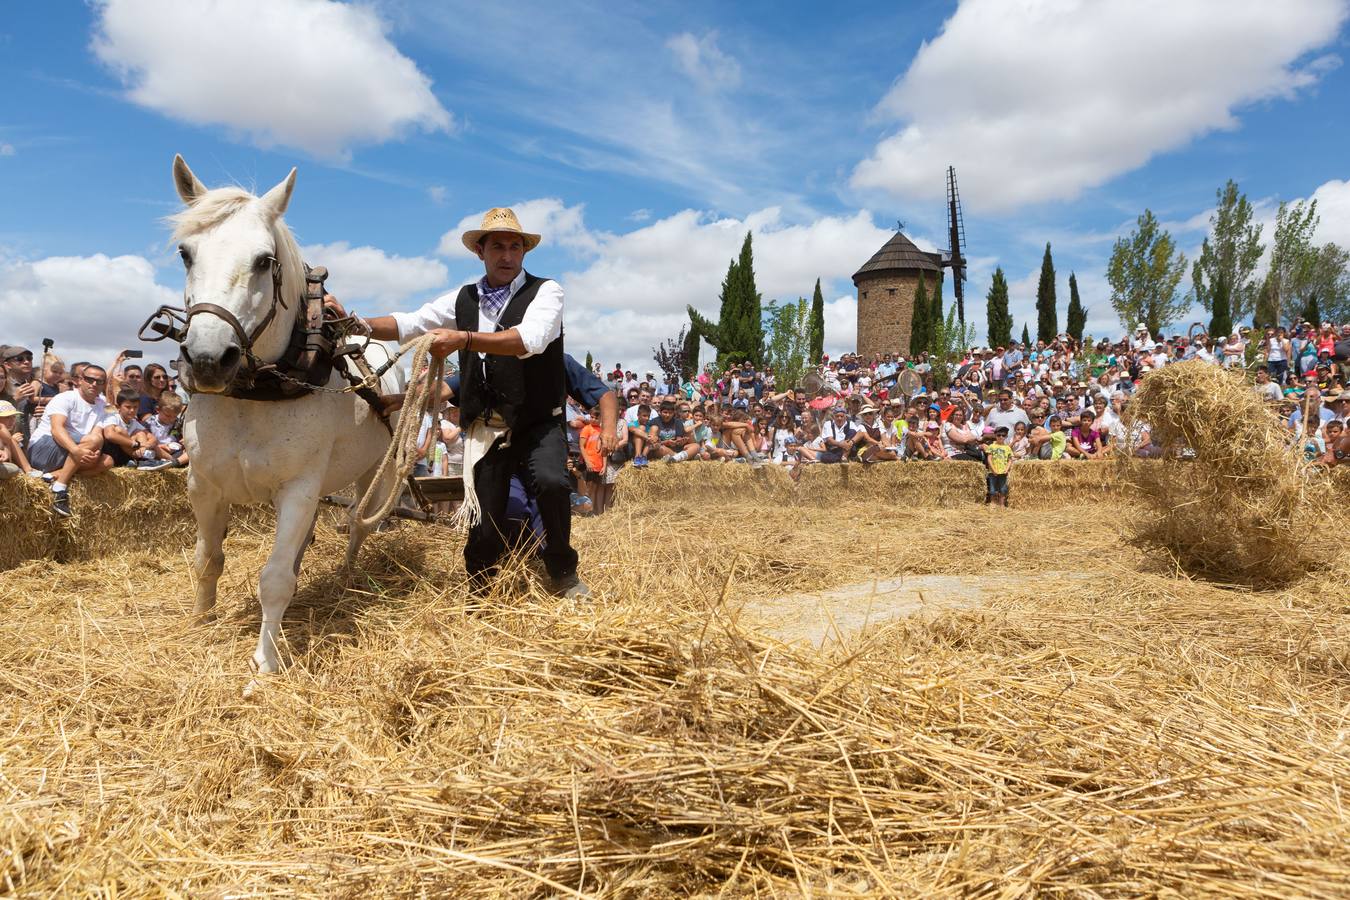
x=246, y=339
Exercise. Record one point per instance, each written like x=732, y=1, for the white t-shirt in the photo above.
x=115, y=418
x=158, y=429
x=81, y=417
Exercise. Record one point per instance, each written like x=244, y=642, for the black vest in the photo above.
x=523, y=392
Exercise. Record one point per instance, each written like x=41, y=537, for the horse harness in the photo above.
x=317, y=346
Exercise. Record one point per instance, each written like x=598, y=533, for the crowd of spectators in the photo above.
x=1054, y=400
x=58, y=423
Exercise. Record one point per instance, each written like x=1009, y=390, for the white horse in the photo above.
x=290, y=452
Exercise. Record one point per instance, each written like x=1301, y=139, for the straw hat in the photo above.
x=7, y=409
x=499, y=219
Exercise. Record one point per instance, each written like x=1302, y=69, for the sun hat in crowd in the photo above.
x=7, y=409
x=10, y=351
x=869, y=408
x=499, y=219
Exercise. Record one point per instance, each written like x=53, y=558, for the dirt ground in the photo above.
x=1004, y=701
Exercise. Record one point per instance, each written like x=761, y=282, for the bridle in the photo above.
x=246, y=338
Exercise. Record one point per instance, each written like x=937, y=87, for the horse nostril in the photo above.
x=229, y=359
x=187, y=357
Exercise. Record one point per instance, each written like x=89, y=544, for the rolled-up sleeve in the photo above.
x=438, y=313
x=542, y=322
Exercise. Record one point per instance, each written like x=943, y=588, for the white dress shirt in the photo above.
x=539, y=327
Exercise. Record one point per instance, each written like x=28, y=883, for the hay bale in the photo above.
x=935, y=484
x=114, y=511
x=1065, y=482
x=703, y=481
x=1245, y=509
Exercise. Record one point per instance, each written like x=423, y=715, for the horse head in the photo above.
x=244, y=276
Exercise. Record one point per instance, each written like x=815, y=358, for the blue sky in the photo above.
x=645, y=141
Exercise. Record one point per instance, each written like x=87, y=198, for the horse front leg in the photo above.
x=295, y=504
x=213, y=518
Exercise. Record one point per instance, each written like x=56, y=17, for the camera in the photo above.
x=48, y=343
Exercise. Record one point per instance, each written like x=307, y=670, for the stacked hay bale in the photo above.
x=1234, y=500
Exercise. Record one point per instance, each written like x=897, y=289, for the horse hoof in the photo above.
x=207, y=617
x=255, y=686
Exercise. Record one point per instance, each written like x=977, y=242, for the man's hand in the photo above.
x=609, y=441
x=331, y=302
x=26, y=391
x=446, y=342
x=89, y=456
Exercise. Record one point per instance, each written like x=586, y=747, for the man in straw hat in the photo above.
x=507, y=330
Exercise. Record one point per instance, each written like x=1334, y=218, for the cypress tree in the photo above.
x=1220, y=304
x=817, y=346
x=1026, y=337
x=1267, y=306
x=1077, y=315
x=1310, y=311
x=937, y=335
x=919, y=327
x=690, y=360
x=590, y=363
x=998, y=321
x=1047, y=318
x=739, y=332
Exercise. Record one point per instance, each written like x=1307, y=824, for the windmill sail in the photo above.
x=956, y=228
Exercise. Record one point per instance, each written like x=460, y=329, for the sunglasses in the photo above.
x=88, y=380
x=26, y=357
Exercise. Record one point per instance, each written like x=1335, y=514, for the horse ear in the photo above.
x=278, y=198
x=189, y=188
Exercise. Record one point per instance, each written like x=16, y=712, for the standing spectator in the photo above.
x=156, y=383
x=998, y=458
x=68, y=440
x=20, y=387
x=1278, y=351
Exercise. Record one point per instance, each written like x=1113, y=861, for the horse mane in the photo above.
x=215, y=206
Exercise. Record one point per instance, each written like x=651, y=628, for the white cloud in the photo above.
x=634, y=291
x=368, y=274
x=1040, y=99
x=1333, y=206
x=704, y=62
x=640, y=215
x=559, y=224
x=310, y=74
x=6, y=149
x=90, y=305
x=437, y=193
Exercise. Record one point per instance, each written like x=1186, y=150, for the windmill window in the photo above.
x=864, y=295
x=890, y=291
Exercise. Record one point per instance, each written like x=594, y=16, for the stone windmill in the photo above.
x=886, y=283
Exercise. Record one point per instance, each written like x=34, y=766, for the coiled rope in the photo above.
x=421, y=397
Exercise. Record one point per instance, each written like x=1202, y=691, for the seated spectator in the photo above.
x=12, y=458
x=68, y=440
x=671, y=437
x=1085, y=441
x=958, y=440
x=127, y=440
x=166, y=426
x=873, y=438
x=840, y=437
x=639, y=435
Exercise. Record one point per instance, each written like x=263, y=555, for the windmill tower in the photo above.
x=886, y=285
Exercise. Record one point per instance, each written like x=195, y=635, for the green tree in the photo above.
x=948, y=346
x=1291, y=255
x=1047, y=317
x=998, y=321
x=789, y=341
x=1026, y=336
x=1144, y=272
x=920, y=329
x=690, y=368
x=1266, y=313
x=1221, y=317
x=670, y=357
x=817, y=326
x=1231, y=251
x=590, y=363
x=935, y=313
x=738, y=334
x=1077, y=314
x=1324, y=285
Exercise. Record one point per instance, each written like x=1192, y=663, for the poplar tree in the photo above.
x=1144, y=271
x=998, y=321
x=1077, y=314
x=920, y=329
x=1231, y=250
x=1221, y=313
x=1047, y=319
x=817, y=349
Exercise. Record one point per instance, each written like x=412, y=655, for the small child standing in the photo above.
x=998, y=459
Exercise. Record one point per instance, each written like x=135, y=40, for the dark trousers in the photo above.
x=538, y=454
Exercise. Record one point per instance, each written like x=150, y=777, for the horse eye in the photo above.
x=187, y=257
x=262, y=262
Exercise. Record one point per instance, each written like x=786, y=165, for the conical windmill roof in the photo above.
x=899, y=254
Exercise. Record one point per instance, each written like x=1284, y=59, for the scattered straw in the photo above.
x=1123, y=734
x=1246, y=508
